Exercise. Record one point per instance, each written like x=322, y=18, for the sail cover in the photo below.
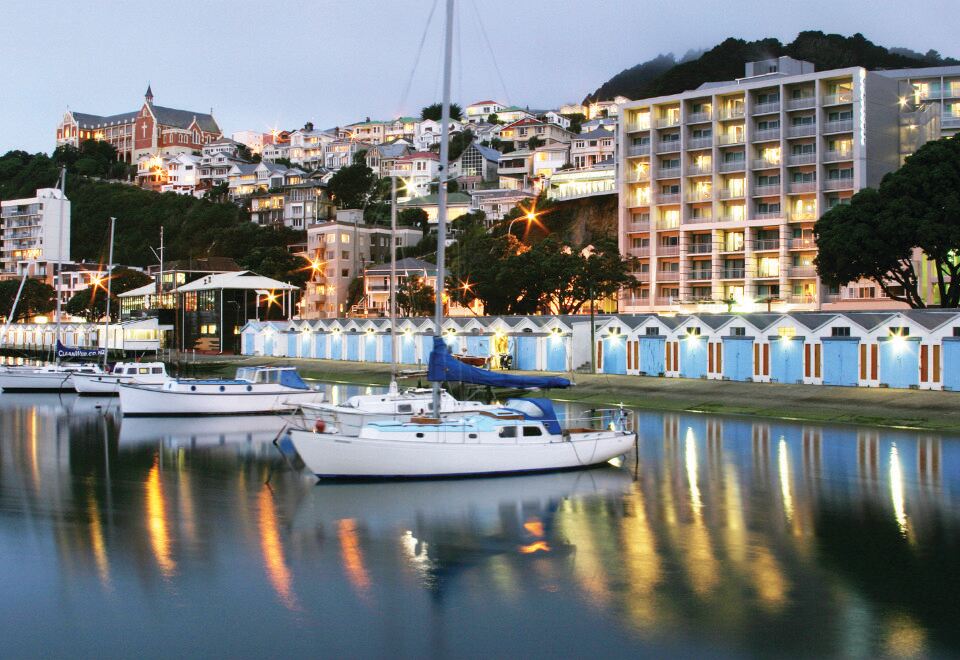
x=444, y=367
x=77, y=352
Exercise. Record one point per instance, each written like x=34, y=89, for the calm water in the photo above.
x=724, y=537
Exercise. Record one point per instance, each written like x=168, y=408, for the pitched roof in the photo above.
x=406, y=264
x=868, y=320
x=85, y=120
x=483, y=102
x=242, y=280
x=431, y=199
x=392, y=149
x=596, y=134
x=420, y=155
x=931, y=319
x=487, y=152
x=812, y=320
x=183, y=118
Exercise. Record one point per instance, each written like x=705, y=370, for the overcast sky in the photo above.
x=282, y=63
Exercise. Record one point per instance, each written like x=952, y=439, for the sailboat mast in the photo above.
x=106, y=322
x=393, y=278
x=59, y=267
x=442, y=186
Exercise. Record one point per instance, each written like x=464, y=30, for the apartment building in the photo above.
x=720, y=186
x=35, y=233
x=934, y=88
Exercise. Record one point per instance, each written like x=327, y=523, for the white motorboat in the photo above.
x=134, y=373
x=254, y=391
x=50, y=378
x=523, y=436
x=393, y=405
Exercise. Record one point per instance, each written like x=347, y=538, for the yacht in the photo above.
x=108, y=384
x=253, y=391
x=49, y=378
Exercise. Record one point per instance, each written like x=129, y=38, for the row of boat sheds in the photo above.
x=901, y=349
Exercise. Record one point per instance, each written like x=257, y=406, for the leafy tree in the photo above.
x=351, y=187
x=91, y=303
x=534, y=142
x=875, y=235
x=494, y=118
x=414, y=217
x=36, y=298
x=435, y=112
x=459, y=142
x=278, y=263
x=576, y=121
x=415, y=297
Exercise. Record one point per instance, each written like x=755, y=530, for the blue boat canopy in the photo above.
x=540, y=410
x=444, y=367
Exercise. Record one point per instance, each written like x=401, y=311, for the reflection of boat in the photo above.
x=254, y=390
x=135, y=373
x=523, y=436
x=200, y=432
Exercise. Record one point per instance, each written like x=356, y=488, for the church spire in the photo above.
x=149, y=95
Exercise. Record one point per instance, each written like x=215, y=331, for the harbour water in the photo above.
x=722, y=537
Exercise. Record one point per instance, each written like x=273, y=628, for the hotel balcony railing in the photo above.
x=801, y=103
x=768, y=215
x=801, y=300
x=667, y=122
x=732, y=166
x=730, y=218
x=767, y=274
x=700, y=248
x=838, y=98
x=697, y=221
x=732, y=273
x=637, y=177
x=699, y=117
x=667, y=224
x=727, y=193
x=764, y=164
x=668, y=276
x=666, y=300
x=803, y=271
x=796, y=216
x=801, y=159
x=726, y=138
x=731, y=113
x=765, y=191
x=801, y=130
x=950, y=121
x=694, y=170
x=668, y=198
x=834, y=156
x=802, y=244
x=843, y=126
x=766, y=135
x=766, y=244
x=640, y=200
x=838, y=184
x=667, y=146
x=766, y=108
x=668, y=173
x=802, y=187
x=700, y=143
x=700, y=275
x=640, y=252
x=668, y=250
x=700, y=196
x=638, y=226
x=638, y=150
x=641, y=277
x=638, y=126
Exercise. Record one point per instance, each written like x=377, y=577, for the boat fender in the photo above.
x=320, y=426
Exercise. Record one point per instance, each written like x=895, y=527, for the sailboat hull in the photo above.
x=36, y=381
x=151, y=401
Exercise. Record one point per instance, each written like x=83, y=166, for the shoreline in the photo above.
x=922, y=410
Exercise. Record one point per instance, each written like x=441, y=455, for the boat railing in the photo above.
x=598, y=419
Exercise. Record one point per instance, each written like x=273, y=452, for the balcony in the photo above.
x=640, y=200
x=637, y=126
x=735, y=112
x=802, y=244
x=668, y=173
x=699, y=117
x=638, y=150
x=728, y=139
x=801, y=130
x=764, y=164
x=766, y=108
x=700, y=196
x=838, y=98
x=668, y=198
x=637, y=177
x=640, y=252
x=730, y=218
x=801, y=159
x=667, y=300
x=766, y=244
x=768, y=215
x=727, y=193
x=667, y=122
x=835, y=156
x=641, y=276
x=700, y=143
x=843, y=126
x=668, y=276
x=802, y=187
x=950, y=121
x=668, y=146
x=766, y=135
x=732, y=273
x=695, y=170
x=668, y=223
x=668, y=250
x=798, y=216
x=700, y=275
x=732, y=166
x=767, y=191
x=801, y=300
x=805, y=272
x=838, y=184
x=700, y=248
x=698, y=220
x=638, y=226
x=801, y=103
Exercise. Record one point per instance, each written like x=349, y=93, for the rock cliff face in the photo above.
x=584, y=219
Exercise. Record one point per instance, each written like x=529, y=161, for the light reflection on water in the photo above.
x=721, y=535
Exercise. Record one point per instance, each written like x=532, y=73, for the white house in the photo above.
x=417, y=170
x=479, y=111
x=427, y=133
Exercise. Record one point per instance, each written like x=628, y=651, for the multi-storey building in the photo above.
x=152, y=130
x=35, y=233
x=520, y=132
x=477, y=113
x=307, y=146
x=382, y=158
x=497, y=202
x=417, y=170
x=934, y=88
x=588, y=149
x=720, y=186
x=216, y=159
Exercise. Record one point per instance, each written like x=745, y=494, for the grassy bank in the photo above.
x=916, y=409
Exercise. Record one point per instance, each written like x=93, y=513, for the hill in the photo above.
x=665, y=75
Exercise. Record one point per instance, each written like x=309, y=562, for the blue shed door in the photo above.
x=305, y=344
x=526, y=353
x=840, y=362
x=786, y=361
x=556, y=353
x=292, y=344
x=336, y=345
x=652, y=355
x=248, y=343
x=408, y=349
x=478, y=346
x=900, y=363
x=370, y=348
x=738, y=358
x=320, y=350
x=353, y=347
x=951, y=364
x=386, y=348
x=426, y=345
x=693, y=358
x=615, y=355
x=268, y=344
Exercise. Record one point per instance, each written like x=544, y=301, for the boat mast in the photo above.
x=442, y=187
x=106, y=321
x=13, y=310
x=59, y=267
x=393, y=278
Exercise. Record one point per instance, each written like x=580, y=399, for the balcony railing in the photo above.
x=802, y=187
x=801, y=130
x=700, y=196
x=667, y=146
x=732, y=273
x=801, y=300
x=700, y=143
x=641, y=276
x=766, y=244
x=668, y=173
x=732, y=166
x=667, y=122
x=727, y=193
x=801, y=103
x=843, y=126
x=765, y=191
x=836, y=99
x=731, y=113
x=667, y=300
x=768, y=215
x=639, y=225
x=699, y=117
x=834, y=156
x=950, y=121
x=637, y=177
x=801, y=159
x=668, y=250
x=803, y=215
x=731, y=138
x=700, y=275
x=640, y=200
x=803, y=271
x=700, y=248
x=697, y=220
x=838, y=184
x=764, y=164
x=766, y=135
x=668, y=198
x=668, y=276
x=730, y=218
x=638, y=150
x=766, y=108
x=695, y=170
x=640, y=252
x=664, y=223
x=768, y=274
x=802, y=243
x=636, y=126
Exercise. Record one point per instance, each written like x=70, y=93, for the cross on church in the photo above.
x=143, y=127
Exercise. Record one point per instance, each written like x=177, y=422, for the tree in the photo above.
x=414, y=217
x=278, y=263
x=91, y=303
x=535, y=142
x=36, y=298
x=351, y=186
x=494, y=118
x=415, y=297
x=458, y=143
x=875, y=236
x=576, y=121
x=434, y=111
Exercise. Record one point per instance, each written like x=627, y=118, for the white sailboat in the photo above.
x=525, y=436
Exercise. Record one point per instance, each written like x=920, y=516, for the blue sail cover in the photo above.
x=77, y=352
x=444, y=367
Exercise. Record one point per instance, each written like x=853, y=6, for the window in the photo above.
x=508, y=432
x=654, y=332
x=840, y=115
x=738, y=332
x=841, y=331
x=345, y=272
x=532, y=431
x=899, y=331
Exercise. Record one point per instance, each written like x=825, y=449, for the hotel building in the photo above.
x=720, y=186
x=34, y=234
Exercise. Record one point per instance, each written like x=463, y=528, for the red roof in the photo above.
x=420, y=155
x=482, y=102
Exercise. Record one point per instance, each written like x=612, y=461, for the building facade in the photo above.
x=35, y=234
